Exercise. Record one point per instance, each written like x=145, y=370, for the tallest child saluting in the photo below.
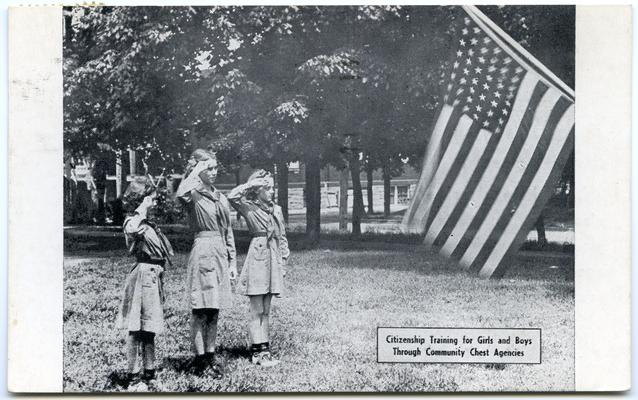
x=212, y=262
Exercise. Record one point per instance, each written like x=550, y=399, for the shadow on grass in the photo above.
x=117, y=380
x=234, y=352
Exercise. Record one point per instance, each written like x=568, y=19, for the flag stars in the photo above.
x=491, y=68
x=466, y=108
x=472, y=90
x=481, y=60
x=484, y=50
x=518, y=70
x=463, y=81
x=453, y=75
x=486, y=124
x=478, y=70
x=501, y=121
x=468, y=61
x=475, y=117
x=496, y=50
x=477, y=29
x=456, y=102
x=504, y=70
x=474, y=81
x=507, y=60
x=486, y=86
x=464, y=31
x=482, y=97
x=466, y=71
x=479, y=108
x=499, y=85
x=462, y=42
x=510, y=96
x=470, y=52
x=515, y=79
x=456, y=64
x=497, y=95
x=469, y=99
x=486, y=40
x=493, y=103
x=474, y=41
x=504, y=111
x=459, y=91
x=490, y=113
x=459, y=53
x=493, y=60
x=489, y=78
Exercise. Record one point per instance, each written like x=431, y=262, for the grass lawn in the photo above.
x=324, y=329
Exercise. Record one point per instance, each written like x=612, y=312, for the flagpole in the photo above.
x=482, y=19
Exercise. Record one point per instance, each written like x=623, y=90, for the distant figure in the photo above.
x=141, y=311
x=263, y=271
x=212, y=261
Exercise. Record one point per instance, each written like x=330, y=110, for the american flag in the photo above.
x=496, y=151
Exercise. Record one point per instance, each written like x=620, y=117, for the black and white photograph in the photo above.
x=319, y=199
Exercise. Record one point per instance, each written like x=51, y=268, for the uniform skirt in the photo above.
x=208, y=277
x=141, y=308
x=262, y=272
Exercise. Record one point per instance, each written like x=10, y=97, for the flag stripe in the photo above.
x=449, y=130
x=430, y=161
x=518, y=181
x=460, y=158
x=535, y=197
x=509, y=145
x=475, y=156
x=541, y=115
x=460, y=133
x=451, y=212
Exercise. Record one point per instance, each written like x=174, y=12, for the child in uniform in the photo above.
x=141, y=311
x=262, y=275
x=212, y=262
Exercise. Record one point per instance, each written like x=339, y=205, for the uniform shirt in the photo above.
x=261, y=218
x=208, y=210
x=145, y=238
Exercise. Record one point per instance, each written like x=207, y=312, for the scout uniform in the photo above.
x=213, y=251
x=262, y=272
x=141, y=308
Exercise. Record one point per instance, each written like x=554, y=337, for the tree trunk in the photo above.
x=386, y=191
x=282, y=188
x=540, y=230
x=369, y=171
x=343, y=199
x=357, y=203
x=312, y=195
x=237, y=177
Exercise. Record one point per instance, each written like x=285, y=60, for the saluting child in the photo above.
x=262, y=275
x=141, y=311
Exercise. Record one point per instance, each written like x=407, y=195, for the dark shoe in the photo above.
x=199, y=365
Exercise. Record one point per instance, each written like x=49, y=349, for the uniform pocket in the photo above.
x=259, y=250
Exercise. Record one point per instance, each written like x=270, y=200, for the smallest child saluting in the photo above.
x=141, y=311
